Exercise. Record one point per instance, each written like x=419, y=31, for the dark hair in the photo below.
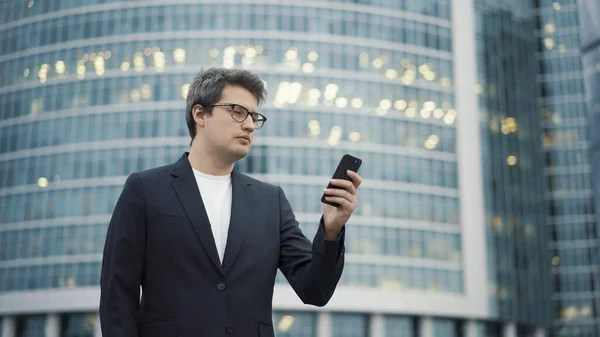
x=208, y=86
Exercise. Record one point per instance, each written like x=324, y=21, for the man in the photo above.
x=204, y=241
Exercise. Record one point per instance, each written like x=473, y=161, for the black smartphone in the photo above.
x=348, y=162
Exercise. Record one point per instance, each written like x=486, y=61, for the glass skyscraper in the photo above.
x=448, y=239
x=590, y=49
x=507, y=94
x=568, y=138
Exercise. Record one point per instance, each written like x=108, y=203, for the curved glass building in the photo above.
x=91, y=91
x=589, y=12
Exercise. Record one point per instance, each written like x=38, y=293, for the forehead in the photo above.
x=239, y=95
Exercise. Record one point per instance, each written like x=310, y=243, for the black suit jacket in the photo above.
x=160, y=238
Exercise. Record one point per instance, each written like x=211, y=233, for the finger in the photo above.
x=334, y=192
x=344, y=203
x=344, y=184
x=356, y=179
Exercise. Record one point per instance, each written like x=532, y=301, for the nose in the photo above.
x=248, y=124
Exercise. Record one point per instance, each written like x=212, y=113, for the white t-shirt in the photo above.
x=216, y=195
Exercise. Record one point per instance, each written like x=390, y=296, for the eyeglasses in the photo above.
x=240, y=113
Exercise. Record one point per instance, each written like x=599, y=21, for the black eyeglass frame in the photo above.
x=258, y=119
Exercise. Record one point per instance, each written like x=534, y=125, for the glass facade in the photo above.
x=566, y=137
x=66, y=109
x=78, y=325
x=31, y=326
x=590, y=49
x=93, y=90
x=507, y=91
x=349, y=325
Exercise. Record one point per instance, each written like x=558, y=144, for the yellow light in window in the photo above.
x=549, y=43
x=26, y=72
x=405, y=63
x=145, y=91
x=285, y=323
x=99, y=65
x=407, y=80
x=314, y=127
x=385, y=104
x=334, y=135
x=497, y=222
x=125, y=66
x=391, y=74
x=511, y=160
x=313, y=56
x=250, y=52
x=42, y=182
x=357, y=103
x=424, y=68
x=555, y=261
x=425, y=113
x=378, y=63
x=213, y=53
x=550, y=29
x=308, y=68
x=135, y=95
x=179, y=55
x=380, y=112
x=291, y=54
x=354, y=136
x=184, y=90
x=148, y=51
x=438, y=113
x=445, y=81
x=138, y=62
x=314, y=93
x=449, y=119
x=81, y=71
x=159, y=61
x=429, y=105
x=60, y=67
x=556, y=6
x=410, y=112
x=585, y=311
x=331, y=91
x=431, y=142
x=429, y=76
x=341, y=102
x=400, y=105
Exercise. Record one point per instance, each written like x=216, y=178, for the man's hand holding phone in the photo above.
x=340, y=198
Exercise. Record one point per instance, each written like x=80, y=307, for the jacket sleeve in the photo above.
x=313, y=270
x=123, y=263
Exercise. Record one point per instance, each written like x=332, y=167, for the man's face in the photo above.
x=229, y=139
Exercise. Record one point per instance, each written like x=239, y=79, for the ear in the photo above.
x=199, y=115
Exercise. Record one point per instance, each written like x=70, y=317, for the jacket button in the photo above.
x=221, y=286
x=229, y=329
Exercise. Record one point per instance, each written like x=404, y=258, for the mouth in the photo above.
x=246, y=138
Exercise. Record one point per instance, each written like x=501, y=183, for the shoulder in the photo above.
x=150, y=176
x=159, y=171
x=258, y=184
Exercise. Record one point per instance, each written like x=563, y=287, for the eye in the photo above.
x=238, y=110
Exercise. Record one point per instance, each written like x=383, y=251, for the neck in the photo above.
x=206, y=161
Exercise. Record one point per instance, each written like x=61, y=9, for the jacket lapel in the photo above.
x=242, y=205
x=186, y=188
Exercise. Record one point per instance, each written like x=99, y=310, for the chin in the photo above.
x=240, y=152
